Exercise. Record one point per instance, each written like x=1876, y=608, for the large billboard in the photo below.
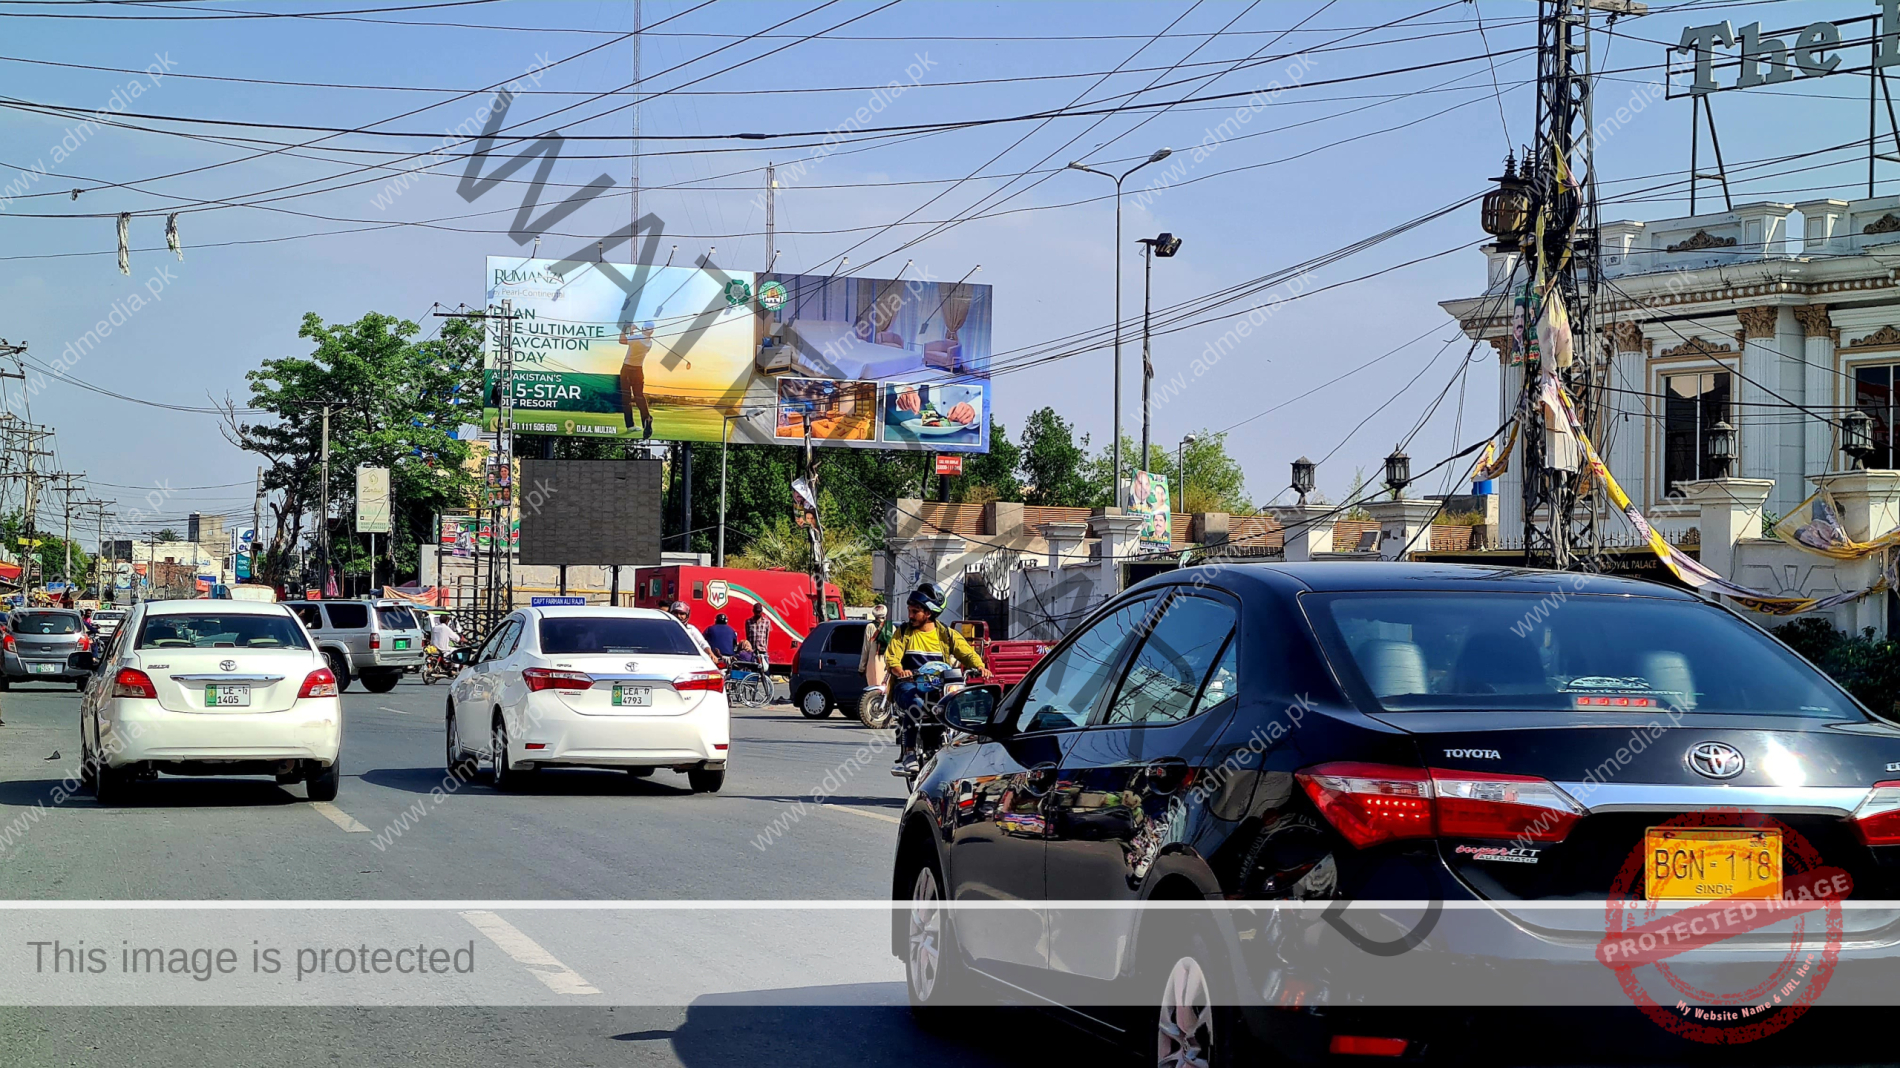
x=681, y=353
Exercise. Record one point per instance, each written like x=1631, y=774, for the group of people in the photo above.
x=723, y=643
x=882, y=661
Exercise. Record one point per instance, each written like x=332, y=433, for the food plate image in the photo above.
x=944, y=415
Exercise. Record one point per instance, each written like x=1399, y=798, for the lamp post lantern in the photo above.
x=1303, y=470
x=1165, y=245
x=1398, y=473
x=1180, y=463
x=1115, y=450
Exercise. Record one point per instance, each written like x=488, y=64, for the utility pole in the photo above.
x=633, y=151
x=323, y=515
x=771, y=213
x=503, y=537
x=257, y=523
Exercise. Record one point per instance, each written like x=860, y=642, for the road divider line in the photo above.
x=887, y=818
x=397, y=711
x=339, y=817
x=528, y=953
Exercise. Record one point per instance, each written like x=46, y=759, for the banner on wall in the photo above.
x=696, y=352
x=1148, y=498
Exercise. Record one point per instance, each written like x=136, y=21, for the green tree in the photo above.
x=993, y=475
x=1055, y=467
x=782, y=545
x=394, y=402
x=1215, y=482
x=168, y=534
x=49, y=551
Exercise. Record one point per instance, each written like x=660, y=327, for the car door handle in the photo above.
x=1039, y=779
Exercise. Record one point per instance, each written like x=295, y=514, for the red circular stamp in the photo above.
x=1727, y=872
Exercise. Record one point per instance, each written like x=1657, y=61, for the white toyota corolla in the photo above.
x=589, y=687
x=209, y=688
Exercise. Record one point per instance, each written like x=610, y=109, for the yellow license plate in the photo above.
x=1710, y=863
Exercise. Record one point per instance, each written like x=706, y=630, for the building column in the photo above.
x=1760, y=366
x=1405, y=526
x=1870, y=506
x=1510, y=488
x=1063, y=539
x=1629, y=410
x=1730, y=511
x=1306, y=528
x=1823, y=387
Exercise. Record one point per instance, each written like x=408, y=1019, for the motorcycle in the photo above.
x=435, y=665
x=936, y=679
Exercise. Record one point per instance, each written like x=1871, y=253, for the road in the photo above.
x=575, y=836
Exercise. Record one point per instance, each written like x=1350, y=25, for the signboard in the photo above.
x=556, y=602
x=372, y=500
x=1148, y=498
x=688, y=353
x=718, y=593
x=949, y=465
x=1812, y=52
x=592, y=512
x=466, y=535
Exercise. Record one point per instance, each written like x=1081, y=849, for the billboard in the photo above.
x=372, y=500
x=604, y=512
x=684, y=353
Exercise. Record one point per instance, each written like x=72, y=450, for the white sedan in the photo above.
x=209, y=688
x=589, y=687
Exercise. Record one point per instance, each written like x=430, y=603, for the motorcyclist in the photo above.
x=683, y=612
x=922, y=634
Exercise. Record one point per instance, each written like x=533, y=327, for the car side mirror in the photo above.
x=461, y=657
x=84, y=661
x=973, y=710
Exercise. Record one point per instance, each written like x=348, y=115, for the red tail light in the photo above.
x=319, y=683
x=713, y=681
x=550, y=679
x=1878, y=818
x=375, y=641
x=1365, y=1046
x=7, y=639
x=131, y=682
x=1373, y=803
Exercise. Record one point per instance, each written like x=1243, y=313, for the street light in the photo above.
x=1857, y=438
x=1303, y=470
x=1165, y=245
x=1115, y=450
x=725, y=443
x=1180, y=463
x=1398, y=473
x=1722, y=448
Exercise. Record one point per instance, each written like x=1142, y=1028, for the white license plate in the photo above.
x=633, y=696
x=228, y=695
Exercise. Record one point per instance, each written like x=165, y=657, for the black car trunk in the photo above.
x=1631, y=772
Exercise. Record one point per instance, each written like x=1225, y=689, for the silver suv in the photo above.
x=375, y=641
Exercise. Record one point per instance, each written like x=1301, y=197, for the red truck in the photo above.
x=1009, y=660
x=708, y=591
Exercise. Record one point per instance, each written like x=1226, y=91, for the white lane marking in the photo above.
x=887, y=818
x=339, y=817
x=397, y=711
x=528, y=953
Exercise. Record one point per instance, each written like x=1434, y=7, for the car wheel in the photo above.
x=933, y=966
x=80, y=685
x=504, y=777
x=381, y=682
x=1191, y=1023
x=814, y=702
x=88, y=771
x=338, y=668
x=320, y=783
x=459, y=763
x=706, y=780
x=111, y=785
x=5, y=683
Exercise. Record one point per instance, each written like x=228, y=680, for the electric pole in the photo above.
x=771, y=214
x=323, y=515
x=257, y=524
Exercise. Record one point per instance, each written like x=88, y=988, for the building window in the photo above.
x=1692, y=404
x=1873, y=394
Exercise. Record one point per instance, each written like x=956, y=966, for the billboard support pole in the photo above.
x=505, y=446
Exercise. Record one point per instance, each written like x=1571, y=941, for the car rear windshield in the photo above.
x=394, y=617
x=45, y=623
x=249, y=630
x=1524, y=651
x=608, y=634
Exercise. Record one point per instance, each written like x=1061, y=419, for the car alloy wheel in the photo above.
x=814, y=703
x=924, y=959
x=498, y=745
x=1184, y=1033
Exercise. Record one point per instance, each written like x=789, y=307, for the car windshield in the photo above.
x=395, y=617
x=1528, y=651
x=614, y=634
x=45, y=623
x=215, y=631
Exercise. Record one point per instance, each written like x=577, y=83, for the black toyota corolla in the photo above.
x=1340, y=732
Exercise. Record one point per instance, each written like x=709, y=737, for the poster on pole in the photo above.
x=372, y=500
x=1148, y=498
x=697, y=353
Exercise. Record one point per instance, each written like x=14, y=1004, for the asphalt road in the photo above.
x=578, y=836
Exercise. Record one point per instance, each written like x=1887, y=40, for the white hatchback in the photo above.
x=589, y=687
x=209, y=688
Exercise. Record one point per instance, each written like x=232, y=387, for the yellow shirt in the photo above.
x=940, y=639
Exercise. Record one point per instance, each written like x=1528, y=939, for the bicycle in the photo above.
x=752, y=689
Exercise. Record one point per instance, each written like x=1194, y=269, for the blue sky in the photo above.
x=1346, y=150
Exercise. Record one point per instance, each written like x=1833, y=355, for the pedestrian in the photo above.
x=723, y=639
x=758, y=631
x=871, y=654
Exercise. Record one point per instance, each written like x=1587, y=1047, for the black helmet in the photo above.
x=720, y=618
x=928, y=598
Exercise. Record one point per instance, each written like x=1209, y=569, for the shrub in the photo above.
x=1865, y=666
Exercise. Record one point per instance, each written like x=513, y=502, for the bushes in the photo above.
x=1867, y=667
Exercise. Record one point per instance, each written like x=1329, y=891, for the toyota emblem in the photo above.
x=1717, y=760
x=228, y=665
x=633, y=665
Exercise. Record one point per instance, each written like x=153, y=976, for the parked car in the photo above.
x=1423, y=732
x=209, y=688
x=588, y=687
x=708, y=591
x=107, y=620
x=375, y=641
x=38, y=644
x=825, y=672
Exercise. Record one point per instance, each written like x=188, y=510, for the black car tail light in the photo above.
x=1373, y=803
x=1877, y=820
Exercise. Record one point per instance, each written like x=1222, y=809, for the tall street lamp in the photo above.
x=725, y=443
x=1115, y=450
x=1180, y=461
x=1164, y=246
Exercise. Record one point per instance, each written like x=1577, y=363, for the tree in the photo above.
x=394, y=403
x=991, y=476
x=49, y=550
x=782, y=545
x=168, y=534
x=1215, y=482
x=1054, y=466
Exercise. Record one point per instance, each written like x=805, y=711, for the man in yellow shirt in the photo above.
x=923, y=634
